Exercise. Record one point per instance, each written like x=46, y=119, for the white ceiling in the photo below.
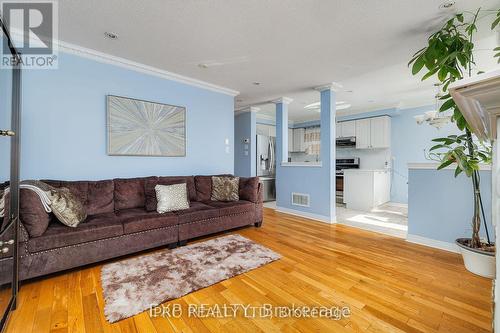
x=289, y=46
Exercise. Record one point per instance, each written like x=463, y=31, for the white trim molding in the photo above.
x=129, y=64
x=334, y=86
x=437, y=244
x=247, y=109
x=283, y=100
x=311, y=216
x=434, y=166
x=142, y=68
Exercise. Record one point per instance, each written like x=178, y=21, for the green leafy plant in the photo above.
x=449, y=57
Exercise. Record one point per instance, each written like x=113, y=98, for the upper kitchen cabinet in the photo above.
x=372, y=133
x=348, y=128
x=290, y=139
x=363, y=140
x=298, y=140
x=380, y=132
x=267, y=130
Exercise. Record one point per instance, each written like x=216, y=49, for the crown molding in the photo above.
x=247, y=109
x=283, y=100
x=132, y=65
x=334, y=86
x=142, y=68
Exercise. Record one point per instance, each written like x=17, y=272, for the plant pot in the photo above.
x=477, y=261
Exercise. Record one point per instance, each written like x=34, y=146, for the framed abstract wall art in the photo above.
x=141, y=128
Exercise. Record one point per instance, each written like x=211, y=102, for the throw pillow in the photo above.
x=66, y=207
x=225, y=188
x=171, y=197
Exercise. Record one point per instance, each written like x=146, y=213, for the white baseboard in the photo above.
x=451, y=247
x=312, y=216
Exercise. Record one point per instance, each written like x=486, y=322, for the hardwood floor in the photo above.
x=390, y=286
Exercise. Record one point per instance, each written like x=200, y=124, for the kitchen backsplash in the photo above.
x=369, y=158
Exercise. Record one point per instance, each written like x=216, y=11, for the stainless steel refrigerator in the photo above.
x=266, y=165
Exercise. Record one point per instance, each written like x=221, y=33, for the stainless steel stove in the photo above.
x=340, y=165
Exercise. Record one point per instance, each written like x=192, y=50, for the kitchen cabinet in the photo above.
x=363, y=139
x=372, y=133
x=290, y=139
x=380, y=132
x=267, y=130
x=298, y=140
x=338, y=130
x=348, y=128
x=366, y=189
x=345, y=129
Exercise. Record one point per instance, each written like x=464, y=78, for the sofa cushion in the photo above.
x=232, y=207
x=130, y=193
x=96, y=196
x=171, y=198
x=249, y=189
x=225, y=188
x=138, y=219
x=150, y=184
x=197, y=211
x=31, y=213
x=203, y=185
x=93, y=228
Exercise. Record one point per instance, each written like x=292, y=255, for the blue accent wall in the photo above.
x=245, y=153
x=64, y=123
x=318, y=182
x=441, y=206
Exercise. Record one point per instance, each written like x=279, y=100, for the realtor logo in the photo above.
x=33, y=29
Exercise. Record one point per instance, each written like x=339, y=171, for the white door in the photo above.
x=380, y=132
x=348, y=128
x=363, y=133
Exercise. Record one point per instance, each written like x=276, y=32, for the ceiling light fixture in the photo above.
x=204, y=66
x=256, y=83
x=434, y=117
x=317, y=105
x=447, y=4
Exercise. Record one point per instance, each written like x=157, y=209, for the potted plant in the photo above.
x=448, y=57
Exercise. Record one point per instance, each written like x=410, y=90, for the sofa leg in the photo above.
x=172, y=246
x=258, y=224
x=182, y=243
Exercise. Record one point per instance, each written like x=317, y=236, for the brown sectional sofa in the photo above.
x=122, y=219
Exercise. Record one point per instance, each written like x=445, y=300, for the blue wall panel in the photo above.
x=64, y=123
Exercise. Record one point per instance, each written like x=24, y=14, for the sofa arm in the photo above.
x=32, y=215
x=249, y=189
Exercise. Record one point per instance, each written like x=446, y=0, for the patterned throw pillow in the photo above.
x=171, y=197
x=66, y=207
x=225, y=188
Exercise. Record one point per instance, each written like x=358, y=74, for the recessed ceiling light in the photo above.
x=447, y=4
x=110, y=35
x=204, y=66
x=256, y=83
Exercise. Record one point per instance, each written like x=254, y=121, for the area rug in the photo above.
x=135, y=285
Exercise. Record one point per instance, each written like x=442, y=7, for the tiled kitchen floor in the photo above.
x=390, y=218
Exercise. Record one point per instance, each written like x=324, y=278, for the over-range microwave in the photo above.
x=346, y=142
